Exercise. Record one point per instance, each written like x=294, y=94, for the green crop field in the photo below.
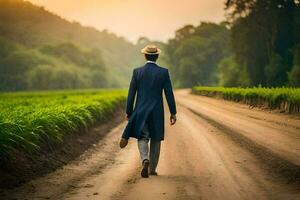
x=286, y=99
x=27, y=119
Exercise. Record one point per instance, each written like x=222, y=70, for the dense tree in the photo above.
x=13, y=69
x=294, y=75
x=64, y=66
x=195, y=52
x=262, y=49
x=91, y=60
x=231, y=74
x=7, y=47
x=263, y=34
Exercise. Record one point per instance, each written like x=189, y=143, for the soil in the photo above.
x=24, y=166
x=216, y=150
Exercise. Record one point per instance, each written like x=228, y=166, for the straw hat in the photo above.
x=151, y=49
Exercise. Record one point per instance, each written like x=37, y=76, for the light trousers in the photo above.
x=143, y=145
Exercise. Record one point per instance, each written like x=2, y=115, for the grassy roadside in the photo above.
x=284, y=99
x=29, y=119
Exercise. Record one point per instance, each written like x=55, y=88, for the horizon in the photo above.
x=95, y=13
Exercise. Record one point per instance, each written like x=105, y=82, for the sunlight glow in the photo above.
x=155, y=19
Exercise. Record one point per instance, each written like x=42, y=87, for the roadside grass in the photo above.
x=29, y=119
x=283, y=98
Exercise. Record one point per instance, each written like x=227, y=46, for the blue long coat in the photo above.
x=147, y=84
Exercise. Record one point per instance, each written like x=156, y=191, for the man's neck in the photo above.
x=149, y=61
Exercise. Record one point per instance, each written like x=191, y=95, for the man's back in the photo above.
x=148, y=82
x=150, y=79
x=146, y=118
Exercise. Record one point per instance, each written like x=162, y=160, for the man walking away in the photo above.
x=146, y=117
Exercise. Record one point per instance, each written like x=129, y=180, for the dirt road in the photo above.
x=216, y=150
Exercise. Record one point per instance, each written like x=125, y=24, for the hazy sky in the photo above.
x=155, y=19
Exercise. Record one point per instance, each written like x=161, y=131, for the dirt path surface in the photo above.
x=216, y=150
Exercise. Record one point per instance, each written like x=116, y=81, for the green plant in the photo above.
x=287, y=99
x=29, y=119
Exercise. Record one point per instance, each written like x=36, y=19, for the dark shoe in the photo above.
x=153, y=174
x=123, y=142
x=144, y=172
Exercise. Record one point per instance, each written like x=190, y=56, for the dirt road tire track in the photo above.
x=277, y=165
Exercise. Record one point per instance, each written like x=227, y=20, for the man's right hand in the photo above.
x=173, y=119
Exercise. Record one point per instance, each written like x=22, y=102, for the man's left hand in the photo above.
x=173, y=119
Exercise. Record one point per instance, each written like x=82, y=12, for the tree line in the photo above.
x=41, y=50
x=63, y=66
x=259, y=44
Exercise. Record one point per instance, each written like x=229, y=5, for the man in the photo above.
x=146, y=120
